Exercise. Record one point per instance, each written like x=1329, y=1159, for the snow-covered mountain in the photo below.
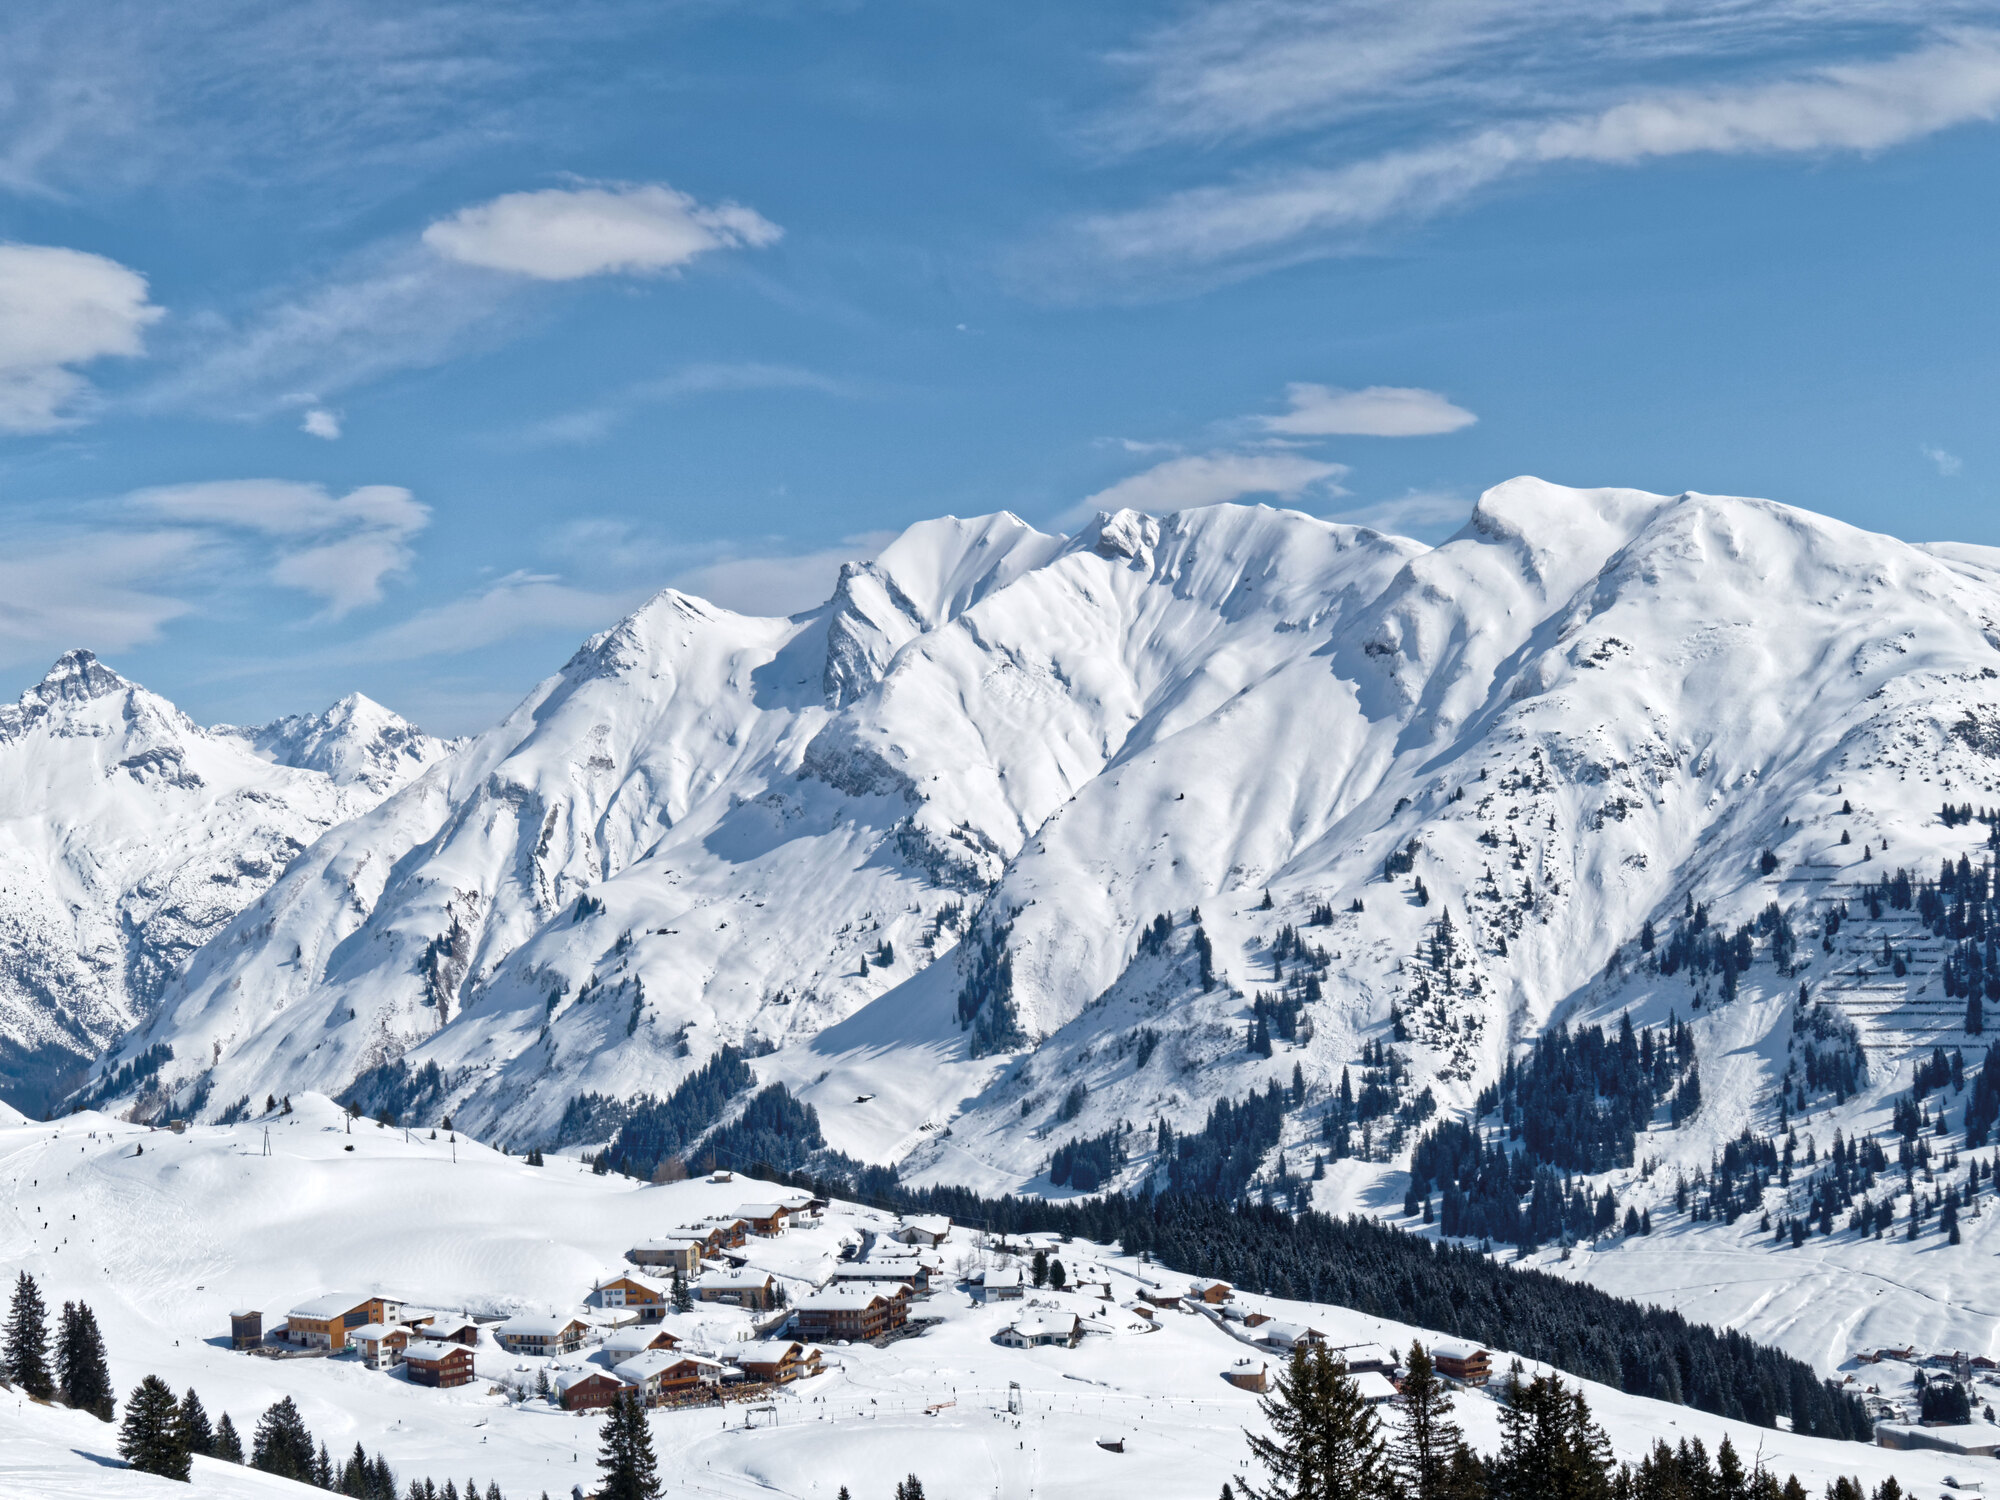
x=916, y=842
x=129, y=835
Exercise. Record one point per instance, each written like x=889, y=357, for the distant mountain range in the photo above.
x=917, y=844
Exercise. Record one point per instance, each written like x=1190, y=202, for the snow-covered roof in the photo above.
x=733, y=1278
x=376, y=1330
x=761, y=1210
x=635, y=1336
x=1373, y=1386
x=568, y=1378
x=1456, y=1348
x=433, y=1349
x=331, y=1305
x=999, y=1276
x=649, y=1283
x=538, y=1325
x=833, y=1301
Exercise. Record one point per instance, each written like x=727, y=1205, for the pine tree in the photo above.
x=1038, y=1268
x=228, y=1445
x=195, y=1429
x=1731, y=1483
x=28, y=1340
x=1422, y=1451
x=1550, y=1449
x=911, y=1488
x=626, y=1462
x=683, y=1298
x=1326, y=1442
x=83, y=1376
x=151, y=1440
x=1058, y=1277
x=282, y=1445
x=322, y=1468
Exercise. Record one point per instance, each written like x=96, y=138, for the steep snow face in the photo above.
x=129, y=835
x=911, y=840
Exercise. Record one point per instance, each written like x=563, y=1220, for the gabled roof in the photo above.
x=433, y=1349
x=761, y=1210
x=542, y=1325
x=831, y=1301
x=330, y=1305
x=569, y=1378
x=649, y=1283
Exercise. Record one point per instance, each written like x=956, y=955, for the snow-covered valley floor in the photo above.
x=164, y=1244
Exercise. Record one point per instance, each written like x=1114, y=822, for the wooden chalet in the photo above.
x=540, y=1333
x=326, y=1322
x=850, y=1315
x=737, y=1288
x=649, y=1298
x=773, y=1361
x=429, y=1362
x=1463, y=1361
x=585, y=1390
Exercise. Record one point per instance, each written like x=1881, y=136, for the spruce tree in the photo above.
x=1422, y=1451
x=151, y=1439
x=1550, y=1449
x=626, y=1462
x=83, y=1375
x=911, y=1488
x=228, y=1445
x=1326, y=1442
x=28, y=1340
x=282, y=1446
x=195, y=1428
x=1038, y=1268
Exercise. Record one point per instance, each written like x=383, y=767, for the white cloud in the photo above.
x=58, y=309
x=339, y=548
x=1428, y=515
x=1950, y=465
x=593, y=423
x=321, y=423
x=520, y=603
x=563, y=234
x=109, y=590
x=409, y=304
x=1376, y=411
x=1276, y=216
x=779, y=583
x=1209, y=479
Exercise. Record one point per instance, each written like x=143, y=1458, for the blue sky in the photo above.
x=396, y=347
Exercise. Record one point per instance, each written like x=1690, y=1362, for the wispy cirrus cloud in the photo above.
x=589, y=424
x=1229, y=72
x=467, y=279
x=1377, y=411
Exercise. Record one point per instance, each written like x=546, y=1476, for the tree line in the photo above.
x=1373, y=1269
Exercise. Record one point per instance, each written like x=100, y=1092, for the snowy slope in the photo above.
x=910, y=840
x=129, y=835
x=164, y=1244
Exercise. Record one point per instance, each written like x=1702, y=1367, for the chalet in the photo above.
x=721, y=1176
x=924, y=1229
x=380, y=1343
x=1375, y=1387
x=540, y=1333
x=1162, y=1299
x=1258, y=1380
x=739, y=1288
x=1363, y=1357
x=451, y=1328
x=1252, y=1319
x=428, y=1362
x=1042, y=1330
x=1283, y=1335
x=1002, y=1284
x=773, y=1361
x=1214, y=1293
x=637, y=1339
x=719, y=1234
x=669, y=1374
x=830, y=1315
x=766, y=1219
x=672, y=1253
x=1460, y=1360
x=246, y=1329
x=583, y=1390
x=908, y=1280
x=1092, y=1286
x=649, y=1298
x=325, y=1322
